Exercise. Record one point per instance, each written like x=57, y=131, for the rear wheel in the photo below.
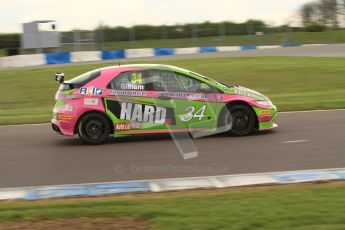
x=93, y=128
x=243, y=119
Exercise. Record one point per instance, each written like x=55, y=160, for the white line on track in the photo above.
x=294, y=141
x=311, y=111
x=307, y=111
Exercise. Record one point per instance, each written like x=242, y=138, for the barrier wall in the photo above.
x=112, y=54
x=87, y=56
x=22, y=61
x=135, y=53
x=189, y=50
x=164, y=51
x=207, y=49
x=158, y=185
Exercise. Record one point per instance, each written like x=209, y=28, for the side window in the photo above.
x=129, y=81
x=190, y=84
x=175, y=82
x=163, y=80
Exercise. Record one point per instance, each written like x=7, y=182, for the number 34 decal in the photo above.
x=190, y=113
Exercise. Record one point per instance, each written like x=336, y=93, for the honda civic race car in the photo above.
x=154, y=99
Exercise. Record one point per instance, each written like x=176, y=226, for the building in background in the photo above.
x=40, y=36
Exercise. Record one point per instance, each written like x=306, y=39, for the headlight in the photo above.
x=264, y=103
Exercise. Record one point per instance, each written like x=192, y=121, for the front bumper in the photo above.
x=266, y=118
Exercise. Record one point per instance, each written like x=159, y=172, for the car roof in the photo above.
x=147, y=66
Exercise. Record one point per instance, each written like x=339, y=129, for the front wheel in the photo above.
x=243, y=119
x=94, y=129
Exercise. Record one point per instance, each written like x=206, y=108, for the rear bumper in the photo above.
x=62, y=127
x=56, y=128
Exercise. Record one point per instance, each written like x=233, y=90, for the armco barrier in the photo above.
x=228, y=48
x=136, y=53
x=58, y=58
x=248, y=47
x=85, y=190
x=22, y=61
x=267, y=47
x=113, y=54
x=290, y=45
x=207, y=49
x=188, y=50
x=85, y=56
x=158, y=185
x=341, y=174
x=164, y=51
x=298, y=177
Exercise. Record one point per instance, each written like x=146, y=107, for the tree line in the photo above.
x=323, y=13
x=316, y=16
x=145, y=32
x=206, y=29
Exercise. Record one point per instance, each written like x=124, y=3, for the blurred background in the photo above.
x=314, y=22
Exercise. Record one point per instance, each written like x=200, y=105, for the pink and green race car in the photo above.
x=155, y=99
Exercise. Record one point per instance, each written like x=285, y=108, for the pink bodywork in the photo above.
x=67, y=126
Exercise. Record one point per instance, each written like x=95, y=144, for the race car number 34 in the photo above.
x=190, y=113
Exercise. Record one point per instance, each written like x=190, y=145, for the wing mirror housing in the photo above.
x=60, y=77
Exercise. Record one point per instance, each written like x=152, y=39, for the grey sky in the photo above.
x=87, y=14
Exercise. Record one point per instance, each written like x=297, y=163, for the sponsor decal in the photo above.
x=190, y=113
x=183, y=95
x=245, y=93
x=132, y=86
x=91, y=90
x=64, y=117
x=127, y=126
x=143, y=113
x=265, y=112
x=127, y=93
x=91, y=101
x=148, y=113
x=67, y=108
x=169, y=121
x=136, y=78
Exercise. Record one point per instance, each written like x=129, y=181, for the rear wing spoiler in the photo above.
x=60, y=77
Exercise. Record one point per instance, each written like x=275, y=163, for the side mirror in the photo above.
x=60, y=77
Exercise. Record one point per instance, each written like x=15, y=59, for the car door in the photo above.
x=131, y=107
x=194, y=102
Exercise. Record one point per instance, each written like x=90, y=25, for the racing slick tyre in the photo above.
x=241, y=117
x=93, y=129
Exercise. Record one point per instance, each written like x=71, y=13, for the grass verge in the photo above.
x=293, y=83
x=291, y=207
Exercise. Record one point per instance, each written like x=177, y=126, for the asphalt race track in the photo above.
x=33, y=155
